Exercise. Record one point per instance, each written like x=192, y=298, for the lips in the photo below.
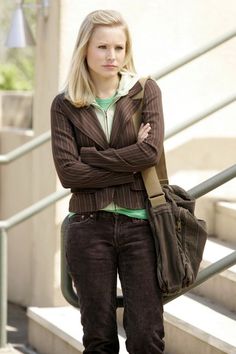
x=109, y=66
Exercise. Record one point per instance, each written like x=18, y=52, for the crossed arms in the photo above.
x=100, y=169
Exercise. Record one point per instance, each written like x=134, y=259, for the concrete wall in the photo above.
x=163, y=31
x=16, y=109
x=16, y=194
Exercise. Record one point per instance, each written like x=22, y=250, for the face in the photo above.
x=106, y=52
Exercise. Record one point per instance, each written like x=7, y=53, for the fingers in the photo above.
x=145, y=128
x=143, y=131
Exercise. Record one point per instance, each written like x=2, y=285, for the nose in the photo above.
x=111, y=54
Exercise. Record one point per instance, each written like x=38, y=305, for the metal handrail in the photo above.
x=205, y=274
x=194, y=55
x=213, y=182
x=4, y=226
x=20, y=151
x=25, y=148
x=204, y=114
x=51, y=199
x=45, y=137
x=66, y=284
x=33, y=209
x=196, y=192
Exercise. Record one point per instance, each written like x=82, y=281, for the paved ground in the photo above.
x=17, y=330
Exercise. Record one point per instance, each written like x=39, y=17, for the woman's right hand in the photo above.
x=143, y=132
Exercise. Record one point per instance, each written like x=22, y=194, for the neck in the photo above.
x=107, y=87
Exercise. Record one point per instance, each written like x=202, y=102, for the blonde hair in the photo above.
x=79, y=86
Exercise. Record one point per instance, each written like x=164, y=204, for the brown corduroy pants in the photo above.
x=100, y=244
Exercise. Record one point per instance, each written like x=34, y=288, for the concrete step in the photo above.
x=204, y=153
x=198, y=328
x=55, y=330
x=191, y=327
x=207, y=141
x=222, y=287
x=206, y=205
x=212, y=289
x=58, y=330
x=225, y=222
x=211, y=143
x=9, y=350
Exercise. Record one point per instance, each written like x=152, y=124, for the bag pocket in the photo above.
x=191, y=234
x=170, y=270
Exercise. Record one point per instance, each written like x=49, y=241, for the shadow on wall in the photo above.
x=202, y=154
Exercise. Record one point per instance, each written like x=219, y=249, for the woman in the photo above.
x=98, y=155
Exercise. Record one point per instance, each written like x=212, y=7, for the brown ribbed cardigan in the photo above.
x=99, y=172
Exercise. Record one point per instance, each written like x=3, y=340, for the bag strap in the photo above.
x=156, y=175
x=153, y=187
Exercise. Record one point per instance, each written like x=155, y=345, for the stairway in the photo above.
x=201, y=322
x=204, y=320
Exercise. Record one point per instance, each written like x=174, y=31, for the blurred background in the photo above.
x=189, y=47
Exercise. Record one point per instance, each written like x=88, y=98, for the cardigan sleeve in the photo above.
x=138, y=156
x=72, y=172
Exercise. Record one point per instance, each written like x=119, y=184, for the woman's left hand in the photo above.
x=143, y=132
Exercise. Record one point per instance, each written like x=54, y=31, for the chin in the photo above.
x=110, y=74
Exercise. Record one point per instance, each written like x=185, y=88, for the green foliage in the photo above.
x=17, y=64
x=17, y=77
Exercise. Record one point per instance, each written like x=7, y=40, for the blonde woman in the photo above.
x=99, y=157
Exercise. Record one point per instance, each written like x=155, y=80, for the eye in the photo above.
x=102, y=46
x=119, y=47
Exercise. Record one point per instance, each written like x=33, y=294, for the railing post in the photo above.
x=3, y=288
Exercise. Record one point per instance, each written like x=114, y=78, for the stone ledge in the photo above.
x=199, y=327
x=9, y=350
x=61, y=322
x=57, y=330
x=225, y=221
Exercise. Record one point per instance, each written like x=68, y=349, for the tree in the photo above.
x=17, y=64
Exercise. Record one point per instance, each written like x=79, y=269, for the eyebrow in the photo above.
x=119, y=43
